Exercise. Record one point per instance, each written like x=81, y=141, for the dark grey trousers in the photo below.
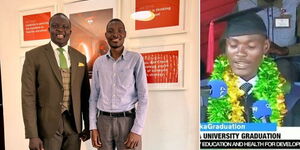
x=114, y=131
x=65, y=138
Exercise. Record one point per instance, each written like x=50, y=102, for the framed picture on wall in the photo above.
x=156, y=17
x=34, y=23
x=164, y=66
x=89, y=20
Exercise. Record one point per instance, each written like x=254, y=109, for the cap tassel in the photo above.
x=211, y=48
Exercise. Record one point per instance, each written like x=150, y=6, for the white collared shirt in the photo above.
x=56, y=53
x=251, y=81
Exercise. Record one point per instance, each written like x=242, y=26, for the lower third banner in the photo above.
x=266, y=144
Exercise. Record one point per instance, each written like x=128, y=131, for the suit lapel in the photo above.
x=249, y=102
x=53, y=63
x=74, y=64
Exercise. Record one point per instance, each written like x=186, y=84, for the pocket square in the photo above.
x=80, y=64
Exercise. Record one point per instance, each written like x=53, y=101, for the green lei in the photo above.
x=268, y=87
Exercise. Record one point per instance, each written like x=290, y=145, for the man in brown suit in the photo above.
x=55, y=92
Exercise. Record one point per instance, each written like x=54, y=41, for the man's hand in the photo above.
x=277, y=50
x=96, y=141
x=132, y=140
x=36, y=144
x=84, y=135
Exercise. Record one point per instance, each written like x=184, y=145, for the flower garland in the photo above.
x=269, y=86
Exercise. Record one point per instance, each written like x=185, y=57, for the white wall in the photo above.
x=172, y=121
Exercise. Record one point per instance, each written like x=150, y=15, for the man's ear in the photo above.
x=266, y=46
x=105, y=35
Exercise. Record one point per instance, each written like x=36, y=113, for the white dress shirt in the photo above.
x=56, y=53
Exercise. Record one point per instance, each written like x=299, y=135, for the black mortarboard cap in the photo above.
x=244, y=22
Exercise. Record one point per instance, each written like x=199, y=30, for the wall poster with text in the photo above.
x=164, y=66
x=34, y=25
x=156, y=17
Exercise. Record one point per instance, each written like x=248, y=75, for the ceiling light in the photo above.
x=90, y=21
x=143, y=15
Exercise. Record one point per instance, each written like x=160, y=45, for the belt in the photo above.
x=129, y=113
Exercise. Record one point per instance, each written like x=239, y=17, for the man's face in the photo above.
x=60, y=30
x=115, y=34
x=245, y=54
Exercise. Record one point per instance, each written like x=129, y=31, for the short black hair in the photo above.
x=59, y=14
x=115, y=20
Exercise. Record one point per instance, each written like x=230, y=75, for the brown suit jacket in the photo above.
x=42, y=91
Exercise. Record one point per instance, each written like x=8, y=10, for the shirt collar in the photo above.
x=123, y=55
x=54, y=46
x=276, y=3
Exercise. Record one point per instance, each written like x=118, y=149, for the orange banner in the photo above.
x=161, y=67
x=35, y=26
x=166, y=13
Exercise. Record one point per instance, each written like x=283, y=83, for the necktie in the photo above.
x=247, y=101
x=62, y=59
x=246, y=87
